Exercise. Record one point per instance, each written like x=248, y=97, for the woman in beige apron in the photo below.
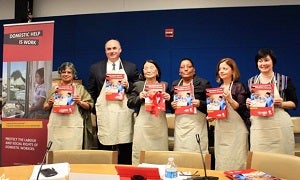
x=273, y=134
x=231, y=134
x=188, y=125
x=66, y=131
x=150, y=128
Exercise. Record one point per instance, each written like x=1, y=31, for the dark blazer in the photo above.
x=240, y=93
x=97, y=77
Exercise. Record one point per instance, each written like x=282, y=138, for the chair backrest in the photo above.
x=296, y=122
x=171, y=126
x=83, y=156
x=181, y=159
x=279, y=165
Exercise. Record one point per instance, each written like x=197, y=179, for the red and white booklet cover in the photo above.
x=262, y=100
x=154, y=98
x=114, y=91
x=184, y=95
x=216, y=103
x=63, y=99
x=249, y=174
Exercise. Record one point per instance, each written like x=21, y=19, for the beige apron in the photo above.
x=273, y=134
x=150, y=133
x=66, y=130
x=231, y=142
x=114, y=119
x=186, y=128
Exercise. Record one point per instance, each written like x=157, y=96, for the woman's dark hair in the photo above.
x=158, y=77
x=40, y=72
x=262, y=53
x=187, y=59
x=66, y=65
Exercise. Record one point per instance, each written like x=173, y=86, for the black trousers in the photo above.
x=124, y=151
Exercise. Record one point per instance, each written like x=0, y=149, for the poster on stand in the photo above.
x=26, y=79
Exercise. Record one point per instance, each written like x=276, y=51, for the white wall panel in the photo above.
x=44, y=8
x=7, y=9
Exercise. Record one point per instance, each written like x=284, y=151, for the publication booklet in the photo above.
x=216, y=103
x=262, y=100
x=63, y=99
x=114, y=91
x=154, y=100
x=183, y=95
x=249, y=174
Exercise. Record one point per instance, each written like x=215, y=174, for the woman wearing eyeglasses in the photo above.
x=148, y=97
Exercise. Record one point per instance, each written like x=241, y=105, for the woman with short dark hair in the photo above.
x=273, y=134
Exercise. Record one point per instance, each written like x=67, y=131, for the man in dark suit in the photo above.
x=114, y=118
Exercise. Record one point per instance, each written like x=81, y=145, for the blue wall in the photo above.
x=205, y=35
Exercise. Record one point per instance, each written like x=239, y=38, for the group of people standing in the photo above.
x=119, y=130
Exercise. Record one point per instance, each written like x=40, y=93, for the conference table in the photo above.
x=24, y=172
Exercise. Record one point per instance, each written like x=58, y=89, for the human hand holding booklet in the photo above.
x=62, y=169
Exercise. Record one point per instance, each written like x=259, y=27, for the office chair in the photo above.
x=278, y=165
x=83, y=156
x=181, y=159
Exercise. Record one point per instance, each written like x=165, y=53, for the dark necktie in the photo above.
x=114, y=66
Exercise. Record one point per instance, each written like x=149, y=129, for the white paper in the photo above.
x=63, y=170
x=161, y=168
